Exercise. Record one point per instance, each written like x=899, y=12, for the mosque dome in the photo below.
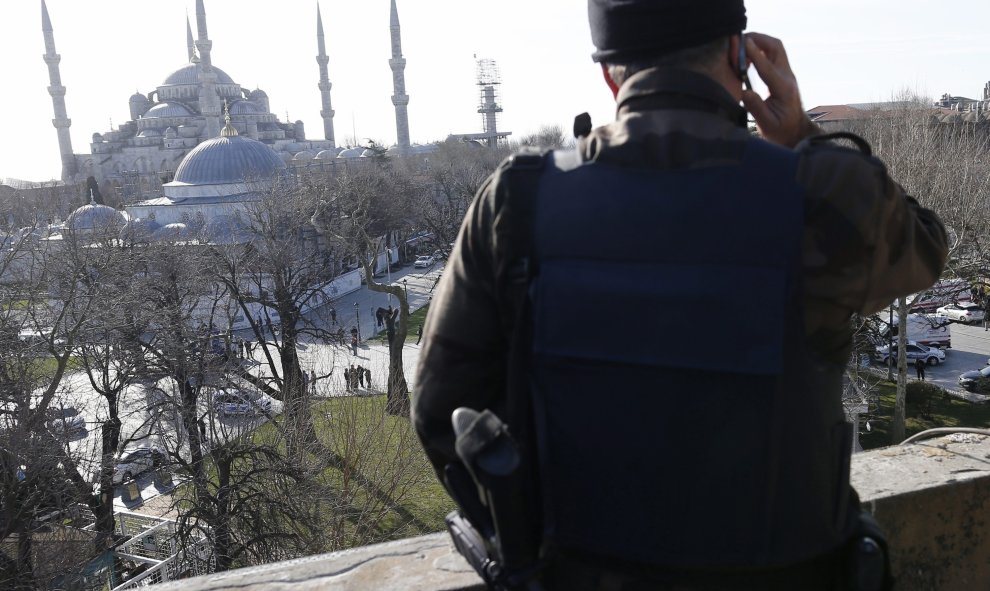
x=94, y=217
x=257, y=93
x=326, y=155
x=368, y=153
x=226, y=229
x=304, y=155
x=244, y=108
x=168, y=110
x=228, y=159
x=139, y=230
x=137, y=97
x=175, y=231
x=189, y=74
x=351, y=153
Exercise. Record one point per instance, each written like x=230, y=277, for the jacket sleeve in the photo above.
x=866, y=241
x=462, y=361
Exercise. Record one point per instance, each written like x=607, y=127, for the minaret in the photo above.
x=400, y=99
x=57, y=91
x=209, y=102
x=327, y=111
x=189, y=40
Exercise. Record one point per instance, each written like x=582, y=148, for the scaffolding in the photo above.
x=489, y=102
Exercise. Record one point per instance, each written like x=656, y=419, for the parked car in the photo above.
x=424, y=261
x=65, y=421
x=235, y=403
x=977, y=380
x=962, y=312
x=915, y=351
x=137, y=462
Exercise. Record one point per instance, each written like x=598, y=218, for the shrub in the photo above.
x=923, y=395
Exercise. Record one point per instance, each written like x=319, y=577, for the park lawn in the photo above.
x=945, y=412
x=383, y=454
x=416, y=320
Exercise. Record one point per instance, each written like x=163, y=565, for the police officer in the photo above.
x=682, y=466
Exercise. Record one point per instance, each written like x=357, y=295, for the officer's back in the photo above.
x=720, y=457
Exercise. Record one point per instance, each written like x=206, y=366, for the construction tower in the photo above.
x=489, y=104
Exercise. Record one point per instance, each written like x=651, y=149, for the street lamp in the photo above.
x=357, y=316
x=405, y=288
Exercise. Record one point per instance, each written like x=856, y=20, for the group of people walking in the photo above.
x=357, y=376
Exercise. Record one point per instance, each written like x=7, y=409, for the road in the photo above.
x=970, y=350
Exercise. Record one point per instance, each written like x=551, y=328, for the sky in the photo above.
x=843, y=51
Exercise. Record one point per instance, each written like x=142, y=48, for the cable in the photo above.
x=944, y=431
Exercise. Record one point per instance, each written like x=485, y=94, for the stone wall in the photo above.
x=932, y=498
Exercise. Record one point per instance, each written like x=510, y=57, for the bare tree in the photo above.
x=360, y=212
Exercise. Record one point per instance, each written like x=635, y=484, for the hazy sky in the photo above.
x=843, y=51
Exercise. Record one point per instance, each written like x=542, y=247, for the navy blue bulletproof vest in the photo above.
x=682, y=420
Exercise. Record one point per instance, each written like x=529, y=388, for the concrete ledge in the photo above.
x=932, y=498
x=422, y=563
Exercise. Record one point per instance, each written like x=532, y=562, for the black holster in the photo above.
x=490, y=530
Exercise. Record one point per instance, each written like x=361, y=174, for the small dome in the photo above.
x=226, y=229
x=150, y=133
x=175, y=231
x=94, y=217
x=139, y=230
x=351, y=153
x=169, y=133
x=326, y=155
x=257, y=93
x=97, y=138
x=304, y=155
x=368, y=153
x=228, y=160
x=244, y=108
x=167, y=110
x=137, y=97
x=189, y=74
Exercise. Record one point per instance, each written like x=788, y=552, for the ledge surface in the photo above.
x=932, y=499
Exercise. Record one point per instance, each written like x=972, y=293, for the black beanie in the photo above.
x=629, y=30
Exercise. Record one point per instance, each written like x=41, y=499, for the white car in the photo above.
x=234, y=403
x=137, y=462
x=65, y=421
x=915, y=351
x=424, y=261
x=962, y=312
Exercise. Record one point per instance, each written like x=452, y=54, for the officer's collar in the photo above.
x=670, y=88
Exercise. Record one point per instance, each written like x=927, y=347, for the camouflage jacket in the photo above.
x=865, y=242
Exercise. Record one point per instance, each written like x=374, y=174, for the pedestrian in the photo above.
x=419, y=333
x=305, y=382
x=919, y=367
x=354, y=344
x=347, y=379
x=312, y=381
x=676, y=185
x=986, y=314
x=360, y=371
x=354, y=378
x=379, y=314
x=367, y=377
x=202, y=429
x=333, y=316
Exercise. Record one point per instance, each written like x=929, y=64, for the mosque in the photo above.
x=171, y=124
x=224, y=144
